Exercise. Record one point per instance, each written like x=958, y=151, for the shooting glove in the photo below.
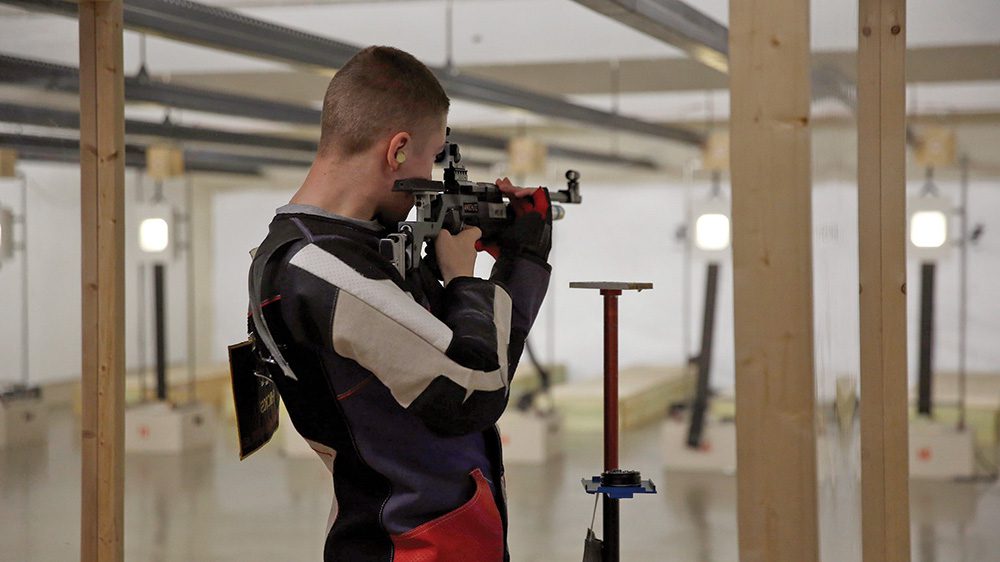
x=530, y=234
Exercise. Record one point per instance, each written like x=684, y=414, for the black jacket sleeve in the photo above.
x=527, y=280
x=453, y=372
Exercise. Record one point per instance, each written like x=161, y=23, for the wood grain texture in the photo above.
x=772, y=262
x=102, y=180
x=8, y=163
x=882, y=254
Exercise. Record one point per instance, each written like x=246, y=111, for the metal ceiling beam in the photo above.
x=556, y=151
x=62, y=78
x=228, y=30
x=485, y=91
x=704, y=39
x=673, y=22
x=707, y=41
x=226, y=158
x=32, y=147
x=66, y=79
x=48, y=117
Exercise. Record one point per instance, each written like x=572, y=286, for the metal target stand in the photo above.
x=615, y=483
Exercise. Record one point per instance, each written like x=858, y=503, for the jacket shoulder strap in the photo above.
x=283, y=233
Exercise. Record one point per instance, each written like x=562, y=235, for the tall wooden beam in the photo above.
x=772, y=280
x=102, y=201
x=882, y=252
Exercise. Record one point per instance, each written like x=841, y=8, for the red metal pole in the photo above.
x=610, y=378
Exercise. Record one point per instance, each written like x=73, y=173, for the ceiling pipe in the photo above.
x=48, y=149
x=56, y=77
x=228, y=30
x=48, y=117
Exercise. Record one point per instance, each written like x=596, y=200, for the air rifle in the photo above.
x=454, y=204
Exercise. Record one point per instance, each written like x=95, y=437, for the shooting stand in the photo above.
x=614, y=483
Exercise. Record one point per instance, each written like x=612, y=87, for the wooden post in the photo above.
x=102, y=201
x=885, y=506
x=772, y=280
x=8, y=163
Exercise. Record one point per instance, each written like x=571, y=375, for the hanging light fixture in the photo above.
x=711, y=232
x=711, y=227
x=155, y=231
x=929, y=213
x=710, y=219
x=156, y=219
x=929, y=226
x=928, y=229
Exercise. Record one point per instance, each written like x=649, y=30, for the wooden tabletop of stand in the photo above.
x=610, y=285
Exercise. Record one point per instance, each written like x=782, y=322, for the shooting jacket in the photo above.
x=398, y=384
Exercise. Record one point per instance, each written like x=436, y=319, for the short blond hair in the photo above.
x=379, y=91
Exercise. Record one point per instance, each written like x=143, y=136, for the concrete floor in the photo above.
x=209, y=506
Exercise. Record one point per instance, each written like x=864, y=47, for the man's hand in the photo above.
x=531, y=231
x=456, y=254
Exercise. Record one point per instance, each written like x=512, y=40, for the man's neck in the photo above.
x=342, y=188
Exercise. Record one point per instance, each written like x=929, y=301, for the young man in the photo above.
x=397, y=382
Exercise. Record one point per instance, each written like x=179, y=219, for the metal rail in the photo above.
x=228, y=30
x=47, y=117
x=66, y=79
x=31, y=147
x=673, y=22
x=57, y=77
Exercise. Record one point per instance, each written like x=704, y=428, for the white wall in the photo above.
x=54, y=294
x=627, y=233
x=239, y=219
x=835, y=285
x=624, y=232
x=835, y=268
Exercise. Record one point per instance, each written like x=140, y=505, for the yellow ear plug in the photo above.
x=400, y=157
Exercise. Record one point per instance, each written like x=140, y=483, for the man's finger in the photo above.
x=515, y=192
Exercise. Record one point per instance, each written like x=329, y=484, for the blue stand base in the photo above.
x=593, y=486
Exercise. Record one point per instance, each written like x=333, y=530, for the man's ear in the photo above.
x=399, y=144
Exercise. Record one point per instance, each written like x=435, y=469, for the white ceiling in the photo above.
x=505, y=32
x=494, y=31
x=514, y=31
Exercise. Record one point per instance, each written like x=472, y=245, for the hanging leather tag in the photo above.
x=593, y=548
x=255, y=398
